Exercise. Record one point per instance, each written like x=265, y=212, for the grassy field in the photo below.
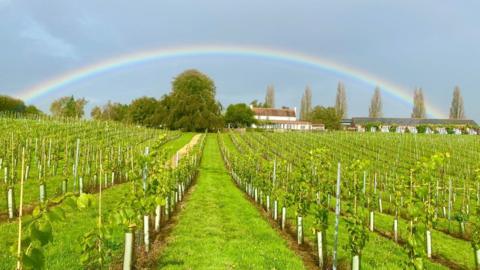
x=220, y=229
x=64, y=252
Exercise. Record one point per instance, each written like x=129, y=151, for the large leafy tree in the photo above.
x=239, y=115
x=97, y=113
x=111, y=111
x=11, y=104
x=31, y=109
x=16, y=105
x=68, y=107
x=327, y=116
x=191, y=105
x=141, y=111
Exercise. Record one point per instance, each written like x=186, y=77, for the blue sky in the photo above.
x=410, y=43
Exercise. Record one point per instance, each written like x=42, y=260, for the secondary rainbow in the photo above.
x=98, y=68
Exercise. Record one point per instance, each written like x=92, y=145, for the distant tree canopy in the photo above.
x=418, y=104
x=457, y=110
x=376, y=106
x=111, y=111
x=258, y=104
x=306, y=103
x=325, y=115
x=9, y=104
x=30, y=109
x=270, y=97
x=68, y=107
x=141, y=111
x=341, y=106
x=239, y=115
x=191, y=105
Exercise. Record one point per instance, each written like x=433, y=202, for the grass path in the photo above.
x=184, y=150
x=220, y=229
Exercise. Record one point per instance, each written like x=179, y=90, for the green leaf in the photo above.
x=70, y=203
x=160, y=201
x=57, y=200
x=55, y=215
x=35, y=259
x=42, y=232
x=84, y=201
x=37, y=211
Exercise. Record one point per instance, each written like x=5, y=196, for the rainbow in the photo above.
x=396, y=91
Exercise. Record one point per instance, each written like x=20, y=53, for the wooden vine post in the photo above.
x=337, y=220
x=75, y=168
x=20, y=213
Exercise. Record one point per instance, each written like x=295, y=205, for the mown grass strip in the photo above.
x=220, y=229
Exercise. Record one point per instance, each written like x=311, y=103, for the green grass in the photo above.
x=64, y=252
x=453, y=249
x=220, y=229
x=456, y=250
x=173, y=146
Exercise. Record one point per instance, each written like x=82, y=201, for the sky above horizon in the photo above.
x=408, y=43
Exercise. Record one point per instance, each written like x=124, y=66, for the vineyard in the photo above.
x=86, y=195
x=356, y=200
x=103, y=195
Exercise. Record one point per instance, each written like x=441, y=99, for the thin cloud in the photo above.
x=4, y=3
x=47, y=43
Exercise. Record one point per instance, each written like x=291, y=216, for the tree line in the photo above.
x=375, y=110
x=331, y=116
x=191, y=106
x=10, y=104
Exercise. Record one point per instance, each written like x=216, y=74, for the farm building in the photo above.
x=412, y=125
x=282, y=119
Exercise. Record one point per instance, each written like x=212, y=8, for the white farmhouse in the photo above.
x=285, y=119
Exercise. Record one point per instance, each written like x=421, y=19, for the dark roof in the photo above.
x=274, y=112
x=346, y=121
x=412, y=121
